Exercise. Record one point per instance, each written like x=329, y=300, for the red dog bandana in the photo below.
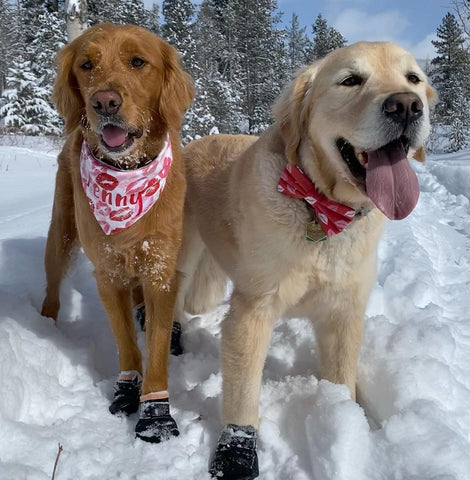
x=118, y=198
x=332, y=217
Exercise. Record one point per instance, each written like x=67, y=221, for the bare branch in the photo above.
x=56, y=461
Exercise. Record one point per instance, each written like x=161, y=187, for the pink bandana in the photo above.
x=332, y=217
x=118, y=198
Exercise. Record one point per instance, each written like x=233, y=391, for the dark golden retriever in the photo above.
x=330, y=169
x=119, y=192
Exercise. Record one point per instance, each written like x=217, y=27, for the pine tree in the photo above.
x=153, y=21
x=118, y=11
x=451, y=66
x=178, y=28
x=298, y=44
x=25, y=108
x=48, y=37
x=8, y=44
x=325, y=39
x=216, y=87
x=261, y=68
x=450, y=72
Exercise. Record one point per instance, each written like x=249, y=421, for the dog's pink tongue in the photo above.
x=390, y=181
x=114, y=136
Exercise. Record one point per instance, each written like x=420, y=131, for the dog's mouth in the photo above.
x=117, y=139
x=389, y=180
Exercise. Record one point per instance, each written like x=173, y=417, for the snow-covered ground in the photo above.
x=413, y=417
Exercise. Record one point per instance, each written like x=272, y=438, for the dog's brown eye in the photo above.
x=87, y=65
x=138, y=62
x=351, y=81
x=412, y=78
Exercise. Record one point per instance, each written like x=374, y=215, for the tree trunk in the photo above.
x=76, y=18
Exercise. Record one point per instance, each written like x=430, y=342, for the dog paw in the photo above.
x=235, y=456
x=176, y=348
x=126, y=393
x=156, y=424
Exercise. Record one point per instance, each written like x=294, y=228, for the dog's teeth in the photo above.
x=362, y=157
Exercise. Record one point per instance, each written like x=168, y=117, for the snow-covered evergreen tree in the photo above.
x=215, y=87
x=298, y=44
x=153, y=21
x=450, y=73
x=25, y=107
x=48, y=36
x=262, y=67
x=325, y=39
x=451, y=66
x=118, y=11
x=178, y=28
x=9, y=40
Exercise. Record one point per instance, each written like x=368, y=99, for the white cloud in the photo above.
x=424, y=49
x=389, y=25
x=358, y=25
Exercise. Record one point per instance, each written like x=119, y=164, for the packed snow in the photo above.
x=412, y=419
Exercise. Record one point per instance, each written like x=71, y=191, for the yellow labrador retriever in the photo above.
x=331, y=168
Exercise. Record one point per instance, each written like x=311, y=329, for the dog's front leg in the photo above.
x=156, y=424
x=339, y=334
x=246, y=334
x=116, y=299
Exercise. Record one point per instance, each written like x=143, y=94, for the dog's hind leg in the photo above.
x=246, y=334
x=61, y=239
x=188, y=260
x=208, y=286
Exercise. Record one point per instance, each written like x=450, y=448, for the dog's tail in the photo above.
x=207, y=286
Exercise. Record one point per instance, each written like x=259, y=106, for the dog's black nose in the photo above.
x=106, y=102
x=403, y=107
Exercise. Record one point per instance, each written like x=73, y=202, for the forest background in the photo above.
x=240, y=53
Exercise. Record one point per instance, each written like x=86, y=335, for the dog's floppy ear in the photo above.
x=292, y=109
x=66, y=94
x=177, y=90
x=432, y=98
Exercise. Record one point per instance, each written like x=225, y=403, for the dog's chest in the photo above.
x=333, y=265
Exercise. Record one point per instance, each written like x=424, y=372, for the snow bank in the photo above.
x=413, y=417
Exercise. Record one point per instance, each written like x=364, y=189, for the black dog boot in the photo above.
x=155, y=424
x=235, y=456
x=127, y=393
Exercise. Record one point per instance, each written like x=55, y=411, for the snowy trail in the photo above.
x=414, y=369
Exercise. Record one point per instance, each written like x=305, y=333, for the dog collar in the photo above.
x=119, y=198
x=330, y=216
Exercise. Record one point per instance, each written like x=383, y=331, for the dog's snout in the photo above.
x=403, y=107
x=106, y=102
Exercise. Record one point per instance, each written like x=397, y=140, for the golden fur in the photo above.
x=155, y=96
x=238, y=225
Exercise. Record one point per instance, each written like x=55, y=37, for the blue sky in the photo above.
x=410, y=23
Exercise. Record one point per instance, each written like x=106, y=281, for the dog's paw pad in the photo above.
x=126, y=393
x=235, y=457
x=155, y=424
